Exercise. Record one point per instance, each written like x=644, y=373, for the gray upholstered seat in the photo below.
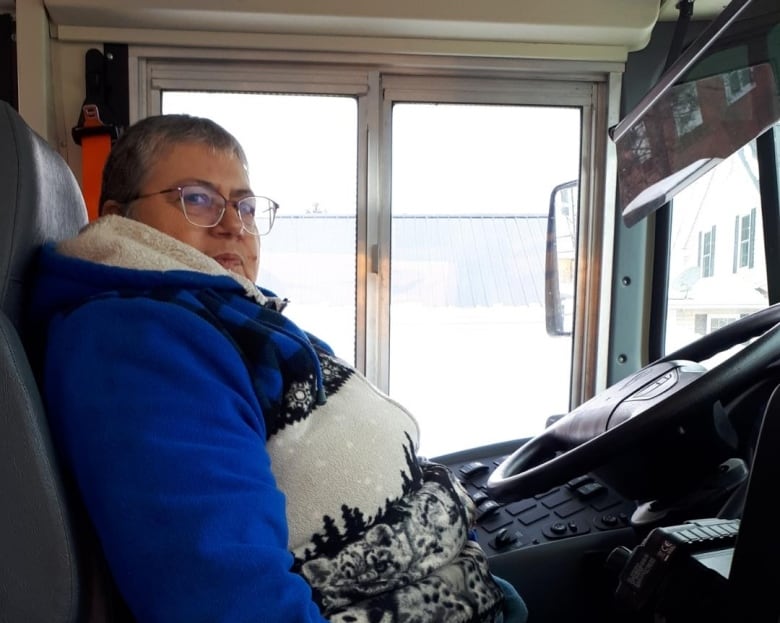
x=47, y=567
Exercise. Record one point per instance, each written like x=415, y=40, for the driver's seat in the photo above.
x=52, y=570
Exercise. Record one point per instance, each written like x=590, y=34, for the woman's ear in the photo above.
x=111, y=207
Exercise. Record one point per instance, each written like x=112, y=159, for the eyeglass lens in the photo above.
x=205, y=207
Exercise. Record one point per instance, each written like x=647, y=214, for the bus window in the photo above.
x=469, y=219
x=412, y=228
x=302, y=153
x=717, y=267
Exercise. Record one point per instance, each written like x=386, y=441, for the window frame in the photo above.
x=378, y=81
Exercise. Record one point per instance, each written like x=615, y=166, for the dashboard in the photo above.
x=578, y=507
x=553, y=547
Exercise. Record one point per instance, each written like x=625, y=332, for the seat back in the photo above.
x=42, y=575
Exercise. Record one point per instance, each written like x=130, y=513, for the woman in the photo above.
x=233, y=467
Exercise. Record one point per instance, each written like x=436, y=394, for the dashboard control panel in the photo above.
x=575, y=508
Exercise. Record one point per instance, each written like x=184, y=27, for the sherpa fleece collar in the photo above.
x=118, y=241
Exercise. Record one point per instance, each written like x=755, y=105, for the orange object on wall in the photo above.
x=95, y=145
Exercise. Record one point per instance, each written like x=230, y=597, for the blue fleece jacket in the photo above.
x=178, y=484
x=235, y=470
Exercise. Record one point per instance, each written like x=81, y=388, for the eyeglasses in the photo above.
x=205, y=207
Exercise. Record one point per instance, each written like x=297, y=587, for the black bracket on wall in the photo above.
x=107, y=93
x=9, y=85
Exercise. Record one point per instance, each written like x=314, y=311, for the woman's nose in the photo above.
x=231, y=221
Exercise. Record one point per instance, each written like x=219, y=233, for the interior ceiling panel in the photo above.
x=601, y=22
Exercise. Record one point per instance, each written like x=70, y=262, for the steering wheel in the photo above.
x=658, y=398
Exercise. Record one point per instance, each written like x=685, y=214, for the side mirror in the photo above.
x=561, y=258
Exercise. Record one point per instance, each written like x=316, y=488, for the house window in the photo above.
x=700, y=324
x=640, y=144
x=685, y=108
x=744, y=240
x=707, y=252
x=737, y=83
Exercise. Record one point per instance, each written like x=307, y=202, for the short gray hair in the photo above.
x=142, y=143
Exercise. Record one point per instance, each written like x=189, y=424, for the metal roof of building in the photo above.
x=449, y=260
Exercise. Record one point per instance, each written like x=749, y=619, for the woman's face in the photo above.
x=194, y=163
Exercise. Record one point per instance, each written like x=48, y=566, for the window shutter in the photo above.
x=751, y=247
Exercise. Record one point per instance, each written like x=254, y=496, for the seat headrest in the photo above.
x=40, y=200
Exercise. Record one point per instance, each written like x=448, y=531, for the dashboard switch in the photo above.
x=486, y=508
x=505, y=539
x=469, y=470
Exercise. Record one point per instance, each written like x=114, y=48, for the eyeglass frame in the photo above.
x=274, y=206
